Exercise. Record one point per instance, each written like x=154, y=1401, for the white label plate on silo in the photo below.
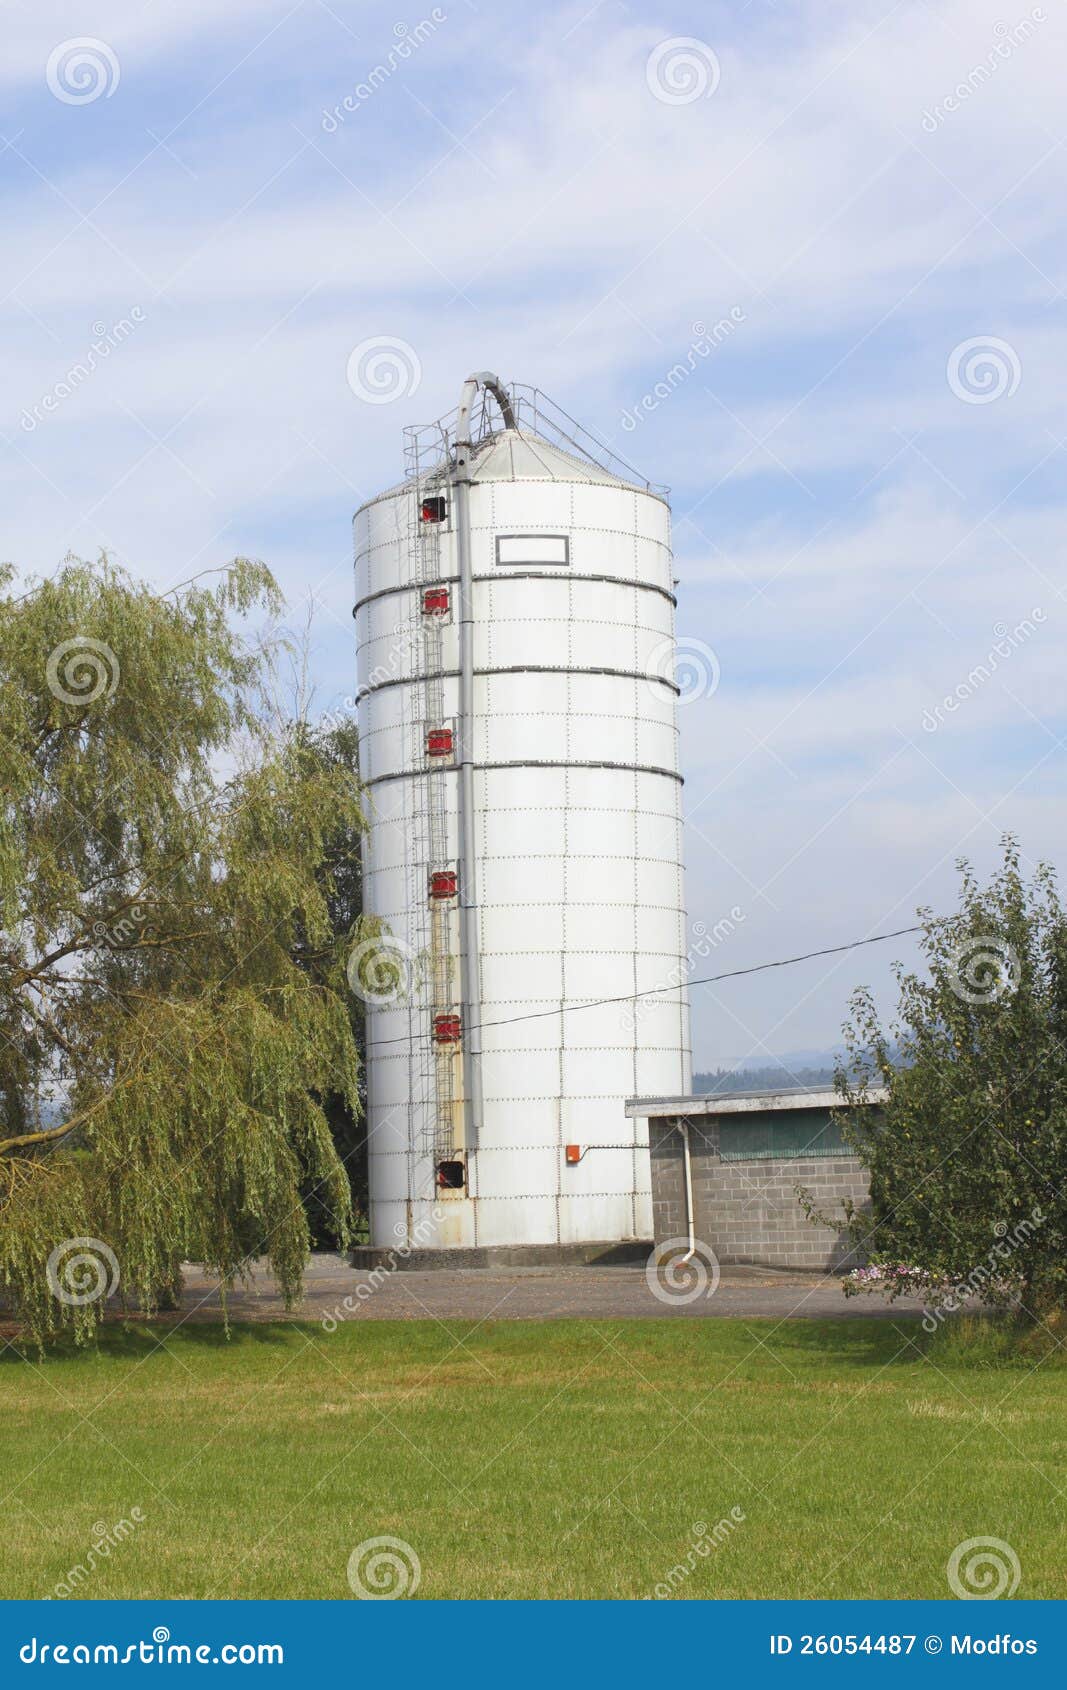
x=534, y=550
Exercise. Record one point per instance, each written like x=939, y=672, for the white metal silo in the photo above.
x=515, y=626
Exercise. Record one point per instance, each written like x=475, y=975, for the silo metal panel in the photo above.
x=592, y=879
x=523, y=506
x=510, y=1071
x=539, y=974
x=532, y=1121
x=540, y=1171
x=603, y=973
x=521, y=1026
x=389, y=1222
x=392, y=1176
x=615, y=1214
x=657, y=743
x=659, y=892
x=653, y=926
x=658, y=834
x=585, y=925
x=657, y=1073
x=386, y=890
x=386, y=1120
x=504, y=882
x=518, y=1220
x=525, y=788
x=525, y=830
x=509, y=929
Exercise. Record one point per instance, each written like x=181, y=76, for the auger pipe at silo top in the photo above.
x=470, y=986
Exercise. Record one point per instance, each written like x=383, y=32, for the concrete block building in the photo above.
x=725, y=1171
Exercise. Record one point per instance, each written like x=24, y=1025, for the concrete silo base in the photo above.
x=604, y=1253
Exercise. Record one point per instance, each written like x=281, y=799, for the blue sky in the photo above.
x=867, y=470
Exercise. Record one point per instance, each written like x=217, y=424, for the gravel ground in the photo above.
x=542, y=1293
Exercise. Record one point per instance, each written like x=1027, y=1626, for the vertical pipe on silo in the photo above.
x=470, y=988
x=468, y=889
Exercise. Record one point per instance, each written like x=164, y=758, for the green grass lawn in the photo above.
x=565, y=1459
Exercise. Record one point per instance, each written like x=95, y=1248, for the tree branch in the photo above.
x=49, y=1135
x=45, y=1022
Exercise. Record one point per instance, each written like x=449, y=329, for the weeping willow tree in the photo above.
x=173, y=1002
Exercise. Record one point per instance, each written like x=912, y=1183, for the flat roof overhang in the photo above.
x=742, y=1103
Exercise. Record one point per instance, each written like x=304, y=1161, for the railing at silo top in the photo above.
x=535, y=410
x=532, y=411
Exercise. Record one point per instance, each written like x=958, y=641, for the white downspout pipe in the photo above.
x=687, y=1179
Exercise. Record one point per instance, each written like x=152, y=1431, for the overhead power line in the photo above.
x=655, y=991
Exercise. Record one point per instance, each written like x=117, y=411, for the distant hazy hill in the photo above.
x=761, y=1079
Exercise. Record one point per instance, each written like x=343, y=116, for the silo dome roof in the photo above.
x=516, y=454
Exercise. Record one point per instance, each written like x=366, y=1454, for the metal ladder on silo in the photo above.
x=433, y=1066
